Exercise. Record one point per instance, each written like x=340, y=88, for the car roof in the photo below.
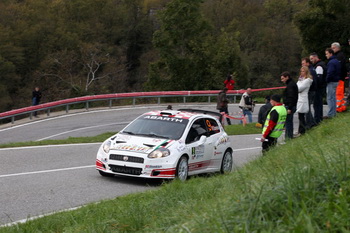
x=185, y=113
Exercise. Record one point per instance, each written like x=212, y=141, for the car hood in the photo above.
x=138, y=144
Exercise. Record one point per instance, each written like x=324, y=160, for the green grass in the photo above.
x=249, y=128
x=231, y=130
x=301, y=186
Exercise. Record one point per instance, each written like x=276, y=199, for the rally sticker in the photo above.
x=135, y=148
x=198, y=152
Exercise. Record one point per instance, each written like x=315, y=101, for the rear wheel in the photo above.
x=227, y=161
x=105, y=174
x=182, y=169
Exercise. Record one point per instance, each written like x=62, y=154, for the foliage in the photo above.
x=84, y=47
x=323, y=22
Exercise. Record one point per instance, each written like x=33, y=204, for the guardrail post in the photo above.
x=31, y=115
x=184, y=99
x=13, y=120
x=48, y=112
x=87, y=106
x=133, y=101
x=110, y=103
x=158, y=100
x=234, y=99
x=67, y=108
x=208, y=99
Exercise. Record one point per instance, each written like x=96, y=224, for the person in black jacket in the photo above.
x=264, y=110
x=320, y=68
x=290, y=99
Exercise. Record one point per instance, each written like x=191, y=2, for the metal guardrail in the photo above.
x=118, y=96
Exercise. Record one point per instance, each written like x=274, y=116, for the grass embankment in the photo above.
x=302, y=186
x=230, y=129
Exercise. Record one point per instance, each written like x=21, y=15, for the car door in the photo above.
x=213, y=136
x=196, y=144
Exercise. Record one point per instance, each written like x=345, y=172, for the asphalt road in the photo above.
x=42, y=180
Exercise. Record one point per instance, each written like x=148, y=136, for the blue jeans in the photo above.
x=289, y=123
x=249, y=113
x=331, y=98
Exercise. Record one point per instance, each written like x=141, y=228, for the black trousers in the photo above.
x=225, y=110
x=302, y=123
x=269, y=143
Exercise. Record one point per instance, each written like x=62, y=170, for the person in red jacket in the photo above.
x=229, y=82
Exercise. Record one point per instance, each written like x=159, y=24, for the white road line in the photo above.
x=46, y=171
x=82, y=167
x=74, y=130
x=49, y=146
x=88, y=112
x=251, y=148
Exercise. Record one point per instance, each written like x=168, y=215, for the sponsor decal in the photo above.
x=154, y=166
x=198, y=152
x=163, y=118
x=217, y=153
x=134, y=148
x=223, y=140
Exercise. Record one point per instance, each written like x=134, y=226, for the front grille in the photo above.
x=126, y=158
x=126, y=170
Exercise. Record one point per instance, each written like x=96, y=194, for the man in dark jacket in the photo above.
x=264, y=110
x=333, y=77
x=222, y=103
x=290, y=99
x=321, y=74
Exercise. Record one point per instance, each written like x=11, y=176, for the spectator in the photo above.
x=274, y=124
x=340, y=101
x=321, y=74
x=247, y=104
x=36, y=97
x=310, y=120
x=290, y=99
x=264, y=110
x=229, y=82
x=304, y=84
x=333, y=77
x=222, y=103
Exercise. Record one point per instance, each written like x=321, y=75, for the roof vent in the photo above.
x=169, y=112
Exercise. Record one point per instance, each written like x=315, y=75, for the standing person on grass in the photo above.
x=290, y=99
x=333, y=77
x=222, y=103
x=274, y=124
x=304, y=83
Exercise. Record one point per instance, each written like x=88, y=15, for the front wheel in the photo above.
x=182, y=169
x=227, y=161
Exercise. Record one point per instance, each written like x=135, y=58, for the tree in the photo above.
x=323, y=22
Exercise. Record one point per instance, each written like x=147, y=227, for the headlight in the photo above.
x=159, y=153
x=107, y=146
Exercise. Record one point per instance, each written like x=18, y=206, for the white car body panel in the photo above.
x=128, y=154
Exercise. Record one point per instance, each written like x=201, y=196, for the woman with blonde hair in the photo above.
x=304, y=83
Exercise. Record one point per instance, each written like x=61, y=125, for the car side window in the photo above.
x=212, y=126
x=197, y=129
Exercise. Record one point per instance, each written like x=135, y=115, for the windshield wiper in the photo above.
x=128, y=132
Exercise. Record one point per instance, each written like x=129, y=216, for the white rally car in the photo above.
x=167, y=144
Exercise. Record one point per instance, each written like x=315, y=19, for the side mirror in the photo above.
x=202, y=139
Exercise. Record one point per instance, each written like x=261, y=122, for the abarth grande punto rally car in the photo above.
x=167, y=144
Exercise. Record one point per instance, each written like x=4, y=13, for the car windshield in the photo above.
x=157, y=126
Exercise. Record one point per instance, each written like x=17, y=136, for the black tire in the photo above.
x=227, y=162
x=182, y=169
x=105, y=174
